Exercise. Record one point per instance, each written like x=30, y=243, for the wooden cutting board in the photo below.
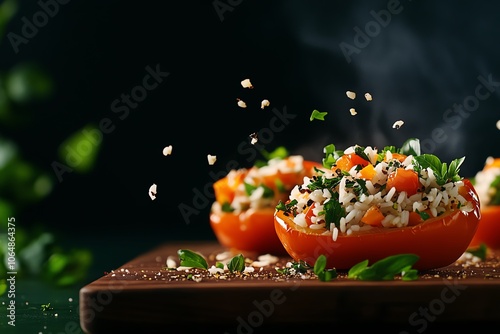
x=144, y=296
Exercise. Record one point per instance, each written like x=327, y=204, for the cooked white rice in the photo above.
x=483, y=183
x=254, y=176
x=395, y=206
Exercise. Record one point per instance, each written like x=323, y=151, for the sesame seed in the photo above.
x=353, y=111
x=368, y=97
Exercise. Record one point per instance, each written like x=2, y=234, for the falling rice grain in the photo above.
x=264, y=103
x=397, y=124
x=253, y=138
x=167, y=150
x=246, y=84
x=211, y=159
x=350, y=95
x=241, y=103
x=152, y=191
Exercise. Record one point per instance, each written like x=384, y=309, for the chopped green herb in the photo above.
x=285, y=207
x=226, y=207
x=219, y=265
x=317, y=115
x=331, y=155
x=46, y=307
x=360, y=151
x=189, y=258
x=424, y=215
x=300, y=267
x=333, y=212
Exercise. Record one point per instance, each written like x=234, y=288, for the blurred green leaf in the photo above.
x=81, y=149
x=40, y=256
x=23, y=183
x=20, y=181
x=8, y=9
x=5, y=107
x=34, y=254
x=3, y=286
x=27, y=83
x=67, y=268
x=6, y=210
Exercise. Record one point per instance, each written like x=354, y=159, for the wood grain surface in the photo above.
x=143, y=296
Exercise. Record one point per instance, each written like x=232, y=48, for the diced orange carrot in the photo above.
x=347, y=161
x=398, y=156
x=404, y=180
x=223, y=193
x=368, y=172
x=225, y=187
x=492, y=163
x=373, y=216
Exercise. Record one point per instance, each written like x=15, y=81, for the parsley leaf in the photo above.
x=333, y=211
x=410, y=147
x=237, y=263
x=285, y=206
x=189, y=258
x=441, y=170
x=320, y=270
x=386, y=268
x=317, y=115
x=331, y=155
